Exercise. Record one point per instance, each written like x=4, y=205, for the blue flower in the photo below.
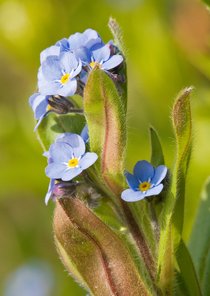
x=101, y=57
x=40, y=106
x=89, y=39
x=57, y=75
x=67, y=157
x=145, y=181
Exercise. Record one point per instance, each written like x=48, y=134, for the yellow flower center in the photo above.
x=144, y=186
x=65, y=78
x=73, y=163
x=93, y=64
x=49, y=108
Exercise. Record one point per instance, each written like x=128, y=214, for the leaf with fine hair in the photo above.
x=157, y=157
x=106, y=120
x=200, y=240
x=187, y=270
x=122, y=71
x=182, y=123
x=101, y=259
x=53, y=125
x=117, y=34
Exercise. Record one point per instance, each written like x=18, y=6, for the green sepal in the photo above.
x=53, y=125
x=200, y=240
x=157, y=157
x=106, y=121
x=182, y=123
x=187, y=271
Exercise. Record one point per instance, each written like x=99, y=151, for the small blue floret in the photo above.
x=145, y=181
x=67, y=157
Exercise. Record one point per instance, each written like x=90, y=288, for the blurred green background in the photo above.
x=168, y=49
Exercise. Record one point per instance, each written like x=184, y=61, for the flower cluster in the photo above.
x=64, y=70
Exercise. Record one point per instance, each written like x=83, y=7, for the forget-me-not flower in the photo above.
x=89, y=39
x=145, y=181
x=101, y=57
x=68, y=157
x=57, y=75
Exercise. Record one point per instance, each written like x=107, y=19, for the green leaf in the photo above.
x=157, y=157
x=165, y=260
x=207, y=2
x=106, y=121
x=187, y=270
x=117, y=34
x=199, y=245
x=122, y=70
x=53, y=125
x=182, y=123
x=101, y=259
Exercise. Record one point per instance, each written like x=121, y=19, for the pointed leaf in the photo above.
x=117, y=34
x=106, y=120
x=182, y=123
x=200, y=240
x=122, y=74
x=157, y=157
x=187, y=270
x=53, y=125
x=102, y=258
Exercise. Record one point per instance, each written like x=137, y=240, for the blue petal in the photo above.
x=76, y=41
x=77, y=70
x=88, y=39
x=75, y=141
x=160, y=173
x=51, y=68
x=63, y=44
x=68, y=61
x=40, y=120
x=83, y=54
x=60, y=152
x=39, y=105
x=55, y=170
x=84, y=134
x=132, y=181
x=154, y=191
x=102, y=54
x=130, y=196
x=67, y=89
x=113, y=62
x=49, y=87
x=143, y=171
x=49, y=191
x=32, y=99
x=87, y=160
x=71, y=173
x=50, y=51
